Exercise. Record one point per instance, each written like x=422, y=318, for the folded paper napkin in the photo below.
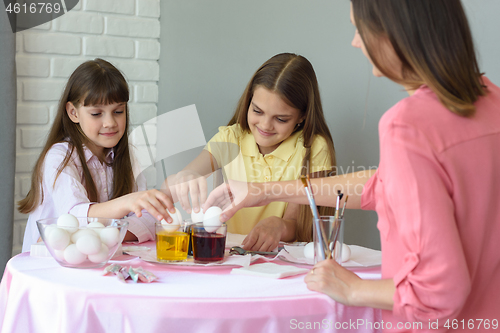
x=360, y=256
x=270, y=270
x=39, y=250
x=234, y=240
x=295, y=253
x=363, y=257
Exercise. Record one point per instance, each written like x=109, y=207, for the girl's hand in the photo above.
x=329, y=278
x=154, y=201
x=265, y=236
x=185, y=183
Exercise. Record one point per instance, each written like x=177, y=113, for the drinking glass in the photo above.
x=208, y=247
x=334, y=231
x=171, y=242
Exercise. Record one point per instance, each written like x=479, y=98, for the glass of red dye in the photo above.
x=208, y=247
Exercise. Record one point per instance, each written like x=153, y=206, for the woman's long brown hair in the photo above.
x=293, y=78
x=433, y=41
x=95, y=82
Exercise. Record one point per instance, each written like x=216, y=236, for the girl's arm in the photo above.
x=175, y=188
x=140, y=229
x=191, y=180
x=153, y=201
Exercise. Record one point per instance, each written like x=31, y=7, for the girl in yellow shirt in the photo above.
x=278, y=132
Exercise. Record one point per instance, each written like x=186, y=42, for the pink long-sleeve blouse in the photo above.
x=67, y=194
x=437, y=195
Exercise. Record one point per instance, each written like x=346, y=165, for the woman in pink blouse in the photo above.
x=437, y=189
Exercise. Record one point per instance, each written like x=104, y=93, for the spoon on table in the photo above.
x=241, y=251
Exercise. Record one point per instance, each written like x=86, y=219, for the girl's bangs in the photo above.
x=106, y=91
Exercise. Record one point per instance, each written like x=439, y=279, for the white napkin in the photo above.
x=270, y=270
x=363, y=257
x=39, y=250
x=234, y=240
x=360, y=256
x=295, y=254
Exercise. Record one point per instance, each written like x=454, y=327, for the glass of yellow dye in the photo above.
x=171, y=242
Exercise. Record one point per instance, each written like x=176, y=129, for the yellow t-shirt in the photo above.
x=237, y=153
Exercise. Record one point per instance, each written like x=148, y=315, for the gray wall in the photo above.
x=8, y=96
x=210, y=49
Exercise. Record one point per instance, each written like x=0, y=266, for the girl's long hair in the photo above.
x=95, y=82
x=433, y=41
x=293, y=78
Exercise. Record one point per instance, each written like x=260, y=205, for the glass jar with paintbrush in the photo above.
x=328, y=231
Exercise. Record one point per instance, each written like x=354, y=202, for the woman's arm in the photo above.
x=323, y=189
x=343, y=286
x=236, y=195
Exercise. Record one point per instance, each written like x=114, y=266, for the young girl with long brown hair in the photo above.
x=85, y=167
x=278, y=132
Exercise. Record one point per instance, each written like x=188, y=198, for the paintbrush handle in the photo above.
x=320, y=232
x=337, y=232
x=343, y=208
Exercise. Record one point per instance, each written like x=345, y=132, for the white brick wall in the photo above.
x=124, y=32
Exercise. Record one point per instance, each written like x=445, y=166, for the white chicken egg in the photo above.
x=73, y=256
x=346, y=251
x=197, y=217
x=110, y=236
x=170, y=227
x=96, y=226
x=176, y=217
x=59, y=254
x=82, y=232
x=49, y=228
x=88, y=244
x=211, y=219
x=58, y=239
x=309, y=251
x=101, y=256
x=68, y=222
x=176, y=221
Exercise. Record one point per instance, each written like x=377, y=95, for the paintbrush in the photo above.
x=336, y=228
x=339, y=197
x=320, y=233
x=321, y=226
x=343, y=208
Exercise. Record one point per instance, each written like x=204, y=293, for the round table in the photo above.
x=38, y=295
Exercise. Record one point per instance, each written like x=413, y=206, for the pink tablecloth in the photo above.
x=38, y=295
